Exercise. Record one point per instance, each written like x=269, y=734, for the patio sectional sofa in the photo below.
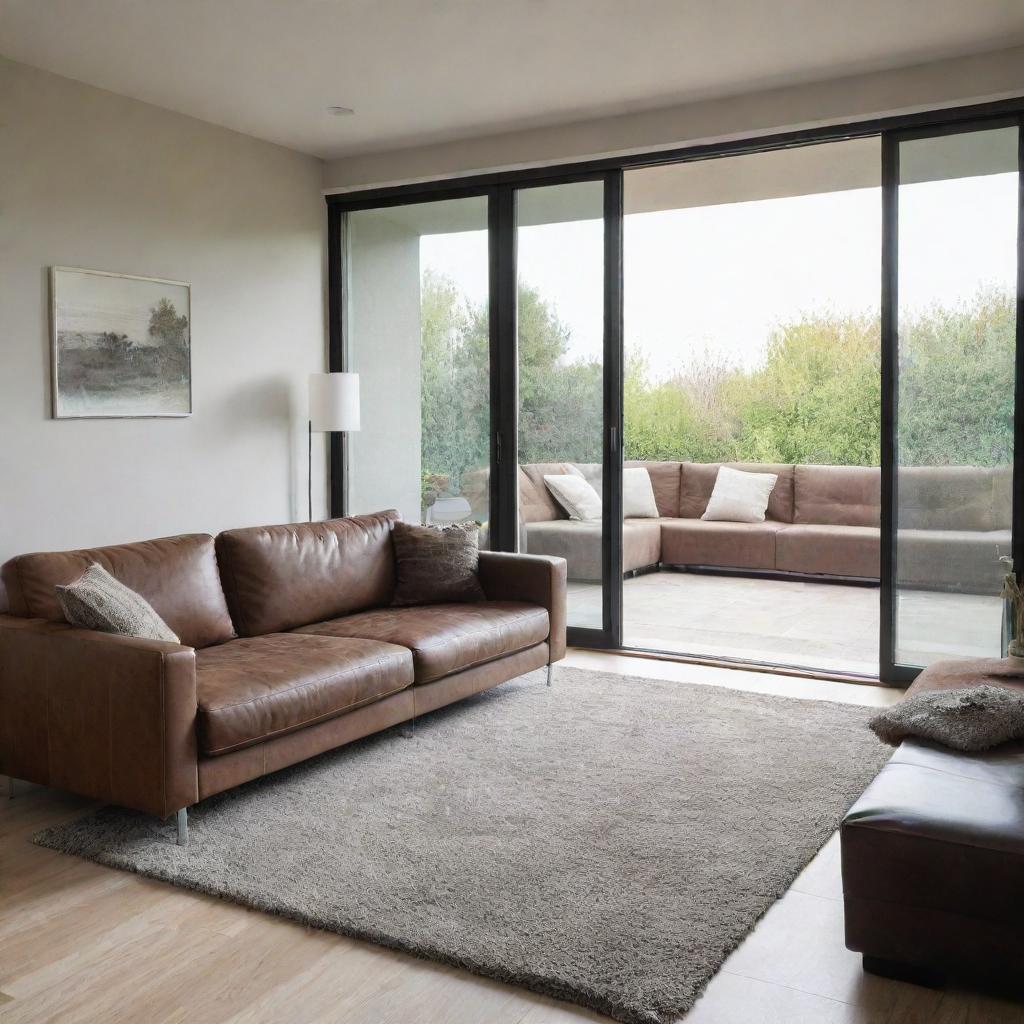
x=822, y=521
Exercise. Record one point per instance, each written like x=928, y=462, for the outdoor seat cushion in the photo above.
x=446, y=638
x=580, y=544
x=728, y=545
x=829, y=550
x=257, y=687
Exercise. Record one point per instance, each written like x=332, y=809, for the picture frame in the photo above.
x=120, y=345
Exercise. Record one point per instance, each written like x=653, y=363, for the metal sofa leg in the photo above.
x=10, y=787
x=408, y=730
x=551, y=669
x=182, y=821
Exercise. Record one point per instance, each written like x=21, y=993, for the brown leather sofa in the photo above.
x=289, y=647
x=954, y=524
x=933, y=853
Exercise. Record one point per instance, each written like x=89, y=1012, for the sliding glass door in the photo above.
x=481, y=328
x=562, y=386
x=951, y=337
x=485, y=320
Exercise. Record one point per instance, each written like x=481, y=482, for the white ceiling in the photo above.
x=428, y=71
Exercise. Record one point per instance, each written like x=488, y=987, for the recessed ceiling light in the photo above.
x=340, y=111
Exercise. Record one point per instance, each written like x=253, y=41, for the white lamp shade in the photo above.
x=334, y=401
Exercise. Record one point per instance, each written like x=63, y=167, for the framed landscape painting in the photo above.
x=121, y=345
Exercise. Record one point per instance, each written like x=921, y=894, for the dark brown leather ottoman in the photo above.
x=933, y=854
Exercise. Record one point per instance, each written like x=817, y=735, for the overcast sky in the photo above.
x=721, y=278
x=95, y=302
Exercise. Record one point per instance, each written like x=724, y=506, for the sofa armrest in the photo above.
x=108, y=717
x=537, y=579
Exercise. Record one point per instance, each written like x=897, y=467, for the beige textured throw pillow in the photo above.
x=575, y=495
x=638, y=494
x=970, y=718
x=98, y=601
x=739, y=497
x=436, y=564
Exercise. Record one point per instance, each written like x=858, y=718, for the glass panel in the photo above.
x=957, y=268
x=417, y=330
x=560, y=323
x=752, y=336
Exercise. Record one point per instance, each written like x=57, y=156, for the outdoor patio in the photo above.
x=814, y=625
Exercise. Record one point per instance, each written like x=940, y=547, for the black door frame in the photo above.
x=890, y=671
x=500, y=187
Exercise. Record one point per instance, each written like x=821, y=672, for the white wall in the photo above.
x=384, y=344
x=952, y=82
x=91, y=179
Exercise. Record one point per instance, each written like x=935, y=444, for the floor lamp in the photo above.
x=333, y=408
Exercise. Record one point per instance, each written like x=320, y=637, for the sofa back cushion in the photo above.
x=176, y=575
x=697, y=481
x=665, y=481
x=280, y=577
x=837, y=495
x=954, y=498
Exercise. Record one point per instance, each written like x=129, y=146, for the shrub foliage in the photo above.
x=815, y=397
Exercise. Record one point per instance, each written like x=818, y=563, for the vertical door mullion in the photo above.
x=504, y=370
x=337, y=222
x=1017, y=506
x=613, y=439
x=889, y=384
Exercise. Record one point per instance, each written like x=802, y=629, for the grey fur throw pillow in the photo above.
x=436, y=564
x=971, y=718
x=98, y=601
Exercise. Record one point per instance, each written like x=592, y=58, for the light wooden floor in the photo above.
x=82, y=944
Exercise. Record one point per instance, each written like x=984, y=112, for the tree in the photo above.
x=816, y=398
x=117, y=346
x=560, y=400
x=166, y=327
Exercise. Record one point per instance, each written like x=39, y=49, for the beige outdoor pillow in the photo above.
x=638, y=494
x=575, y=495
x=739, y=497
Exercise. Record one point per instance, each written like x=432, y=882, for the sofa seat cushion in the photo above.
x=829, y=550
x=446, y=638
x=257, y=687
x=580, y=545
x=728, y=545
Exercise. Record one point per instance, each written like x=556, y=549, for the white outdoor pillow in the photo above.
x=739, y=497
x=575, y=495
x=638, y=495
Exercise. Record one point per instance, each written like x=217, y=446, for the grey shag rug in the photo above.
x=607, y=841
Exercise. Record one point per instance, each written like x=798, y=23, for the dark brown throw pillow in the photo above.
x=436, y=563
